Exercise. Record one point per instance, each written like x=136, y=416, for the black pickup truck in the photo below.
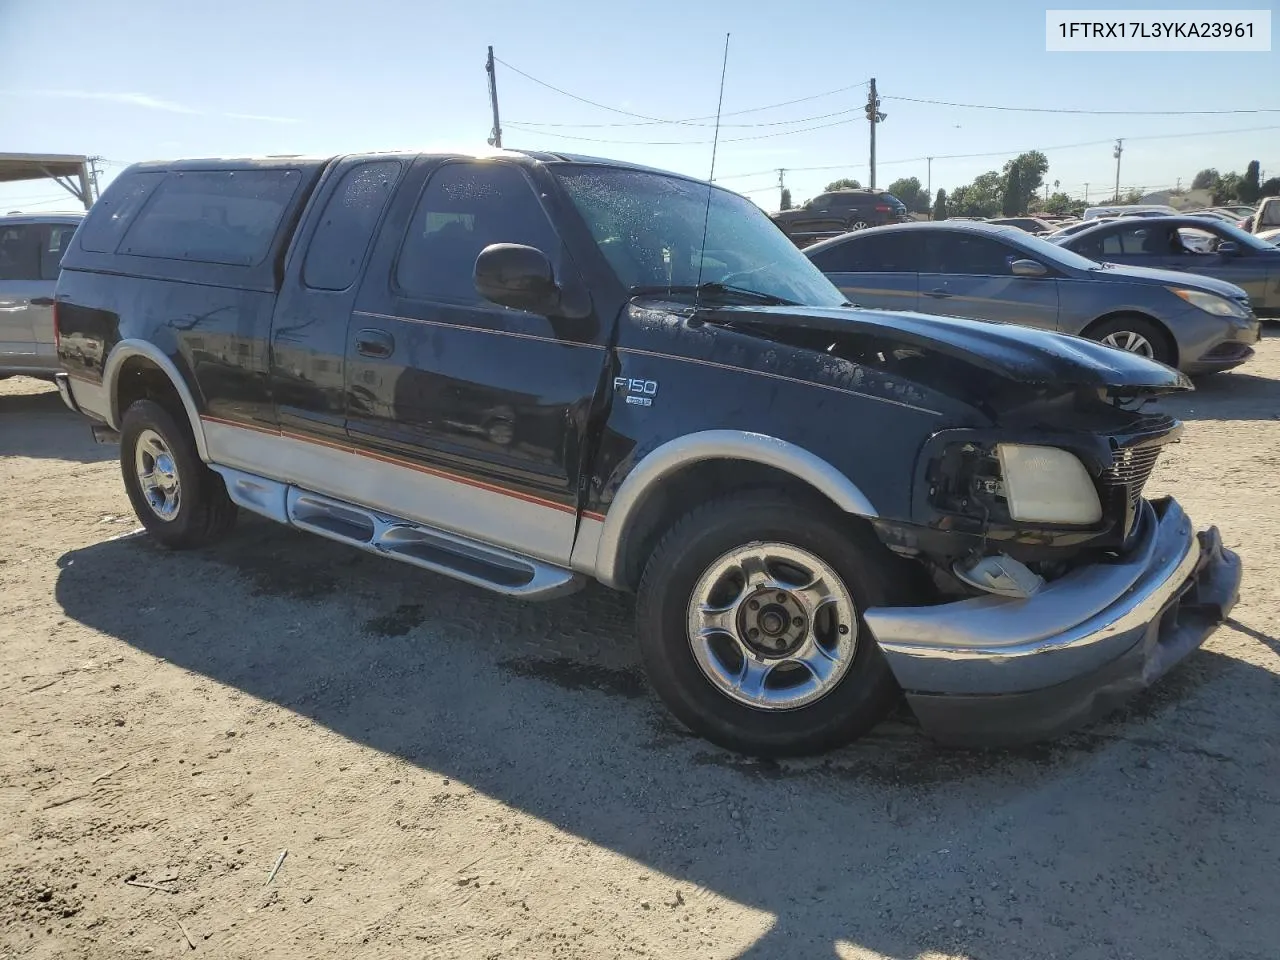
x=528, y=370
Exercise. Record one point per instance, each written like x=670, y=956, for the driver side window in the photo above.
x=465, y=208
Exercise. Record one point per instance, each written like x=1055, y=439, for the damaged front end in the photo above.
x=1058, y=589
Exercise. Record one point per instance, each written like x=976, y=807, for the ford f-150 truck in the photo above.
x=527, y=370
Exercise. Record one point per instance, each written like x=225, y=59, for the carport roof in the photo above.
x=67, y=170
x=39, y=166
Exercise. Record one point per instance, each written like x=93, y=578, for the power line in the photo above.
x=1095, y=113
x=648, y=120
x=1009, y=153
x=770, y=123
x=681, y=143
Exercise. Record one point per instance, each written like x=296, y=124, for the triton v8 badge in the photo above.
x=639, y=392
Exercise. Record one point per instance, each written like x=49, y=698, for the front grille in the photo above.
x=1131, y=469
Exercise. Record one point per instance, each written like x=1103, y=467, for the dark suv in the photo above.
x=527, y=371
x=831, y=214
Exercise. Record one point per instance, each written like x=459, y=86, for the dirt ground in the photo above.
x=456, y=775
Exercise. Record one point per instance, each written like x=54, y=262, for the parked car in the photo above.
x=31, y=247
x=1074, y=228
x=1197, y=324
x=1032, y=225
x=1196, y=245
x=831, y=214
x=1266, y=217
x=529, y=371
x=1122, y=209
x=1239, y=211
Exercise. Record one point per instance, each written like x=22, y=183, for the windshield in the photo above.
x=1048, y=250
x=649, y=226
x=1229, y=231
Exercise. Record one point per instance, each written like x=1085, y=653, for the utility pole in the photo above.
x=1116, y=153
x=1086, y=191
x=495, y=138
x=782, y=186
x=874, y=116
x=929, y=182
x=93, y=176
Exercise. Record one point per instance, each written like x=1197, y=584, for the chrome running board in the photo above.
x=422, y=545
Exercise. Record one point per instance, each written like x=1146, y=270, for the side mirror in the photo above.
x=517, y=276
x=1228, y=248
x=1028, y=268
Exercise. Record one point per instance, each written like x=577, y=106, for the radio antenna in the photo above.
x=715, y=142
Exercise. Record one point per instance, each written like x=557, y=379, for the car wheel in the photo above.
x=180, y=501
x=1136, y=335
x=750, y=625
x=858, y=225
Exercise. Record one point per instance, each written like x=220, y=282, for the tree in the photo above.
x=786, y=199
x=940, y=206
x=1013, y=204
x=1249, y=186
x=1062, y=204
x=978, y=199
x=1228, y=188
x=844, y=183
x=1031, y=167
x=911, y=193
x=1205, y=179
x=1270, y=188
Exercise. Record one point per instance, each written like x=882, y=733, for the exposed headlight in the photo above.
x=1047, y=485
x=1210, y=303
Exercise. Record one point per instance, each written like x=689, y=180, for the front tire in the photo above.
x=180, y=501
x=750, y=626
x=1138, y=335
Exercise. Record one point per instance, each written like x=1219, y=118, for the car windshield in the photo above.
x=1229, y=231
x=650, y=227
x=1047, y=250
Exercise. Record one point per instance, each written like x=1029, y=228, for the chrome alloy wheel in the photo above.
x=772, y=626
x=157, y=475
x=1130, y=341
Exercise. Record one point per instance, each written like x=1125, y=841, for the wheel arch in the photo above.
x=661, y=487
x=1170, y=340
x=137, y=368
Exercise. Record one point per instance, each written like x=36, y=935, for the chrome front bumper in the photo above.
x=997, y=670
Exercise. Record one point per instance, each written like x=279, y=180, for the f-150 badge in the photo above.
x=638, y=392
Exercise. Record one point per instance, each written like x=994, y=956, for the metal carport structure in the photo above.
x=67, y=171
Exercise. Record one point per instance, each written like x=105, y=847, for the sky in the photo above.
x=158, y=79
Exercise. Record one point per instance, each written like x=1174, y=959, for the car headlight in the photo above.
x=1210, y=303
x=1047, y=485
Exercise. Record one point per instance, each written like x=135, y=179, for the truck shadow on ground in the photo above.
x=38, y=424
x=1237, y=395
x=893, y=844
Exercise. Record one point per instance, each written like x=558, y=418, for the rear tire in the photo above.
x=181, y=502
x=1138, y=335
x=773, y=699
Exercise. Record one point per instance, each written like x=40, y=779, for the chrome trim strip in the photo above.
x=397, y=539
x=1075, y=624
x=420, y=496
x=712, y=445
x=90, y=399
x=462, y=326
x=777, y=376
x=121, y=352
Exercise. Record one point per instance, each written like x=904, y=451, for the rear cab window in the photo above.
x=341, y=240
x=215, y=216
